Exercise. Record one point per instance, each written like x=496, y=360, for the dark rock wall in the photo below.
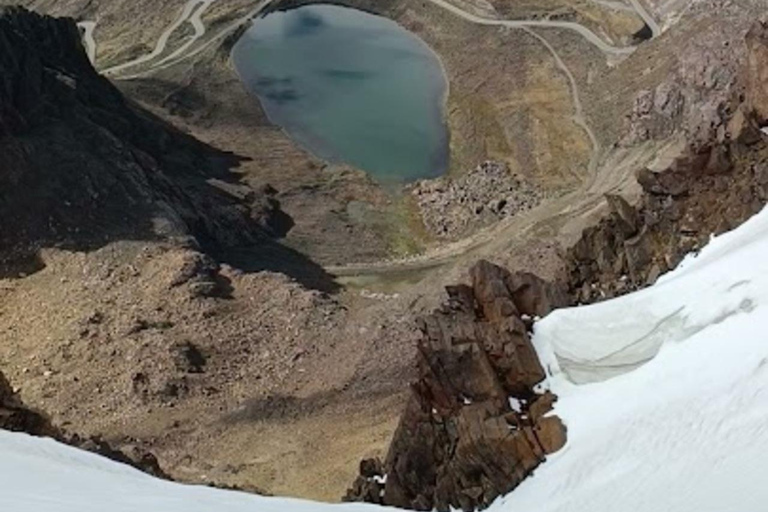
x=80, y=165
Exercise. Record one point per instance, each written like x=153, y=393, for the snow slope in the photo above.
x=40, y=475
x=665, y=394
x=676, y=415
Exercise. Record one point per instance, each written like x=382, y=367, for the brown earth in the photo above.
x=15, y=416
x=240, y=376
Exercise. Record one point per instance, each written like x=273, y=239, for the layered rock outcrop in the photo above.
x=475, y=426
x=80, y=165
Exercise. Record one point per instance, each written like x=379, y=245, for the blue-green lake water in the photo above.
x=350, y=87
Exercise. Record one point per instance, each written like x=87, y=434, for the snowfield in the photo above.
x=40, y=475
x=665, y=394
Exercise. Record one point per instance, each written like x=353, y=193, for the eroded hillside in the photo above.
x=157, y=309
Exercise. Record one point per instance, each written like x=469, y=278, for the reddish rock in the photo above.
x=702, y=193
x=534, y=296
x=550, y=434
x=544, y=404
x=460, y=444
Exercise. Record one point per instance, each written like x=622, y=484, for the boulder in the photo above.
x=544, y=404
x=533, y=296
x=663, y=183
x=551, y=434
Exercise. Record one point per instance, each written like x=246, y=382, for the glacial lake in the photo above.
x=350, y=87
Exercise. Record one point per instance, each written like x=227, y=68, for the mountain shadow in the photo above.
x=81, y=165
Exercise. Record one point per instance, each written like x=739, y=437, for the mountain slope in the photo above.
x=685, y=431
x=98, y=167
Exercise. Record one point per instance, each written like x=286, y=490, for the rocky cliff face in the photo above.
x=681, y=207
x=474, y=426
x=80, y=165
x=718, y=183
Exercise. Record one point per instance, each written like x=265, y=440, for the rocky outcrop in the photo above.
x=80, y=165
x=452, y=207
x=699, y=195
x=697, y=98
x=720, y=100
x=475, y=426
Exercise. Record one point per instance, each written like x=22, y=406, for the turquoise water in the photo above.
x=350, y=87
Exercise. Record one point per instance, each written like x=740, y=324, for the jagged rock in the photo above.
x=369, y=485
x=626, y=214
x=460, y=442
x=133, y=456
x=666, y=182
x=544, y=404
x=701, y=193
x=638, y=253
x=534, y=296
